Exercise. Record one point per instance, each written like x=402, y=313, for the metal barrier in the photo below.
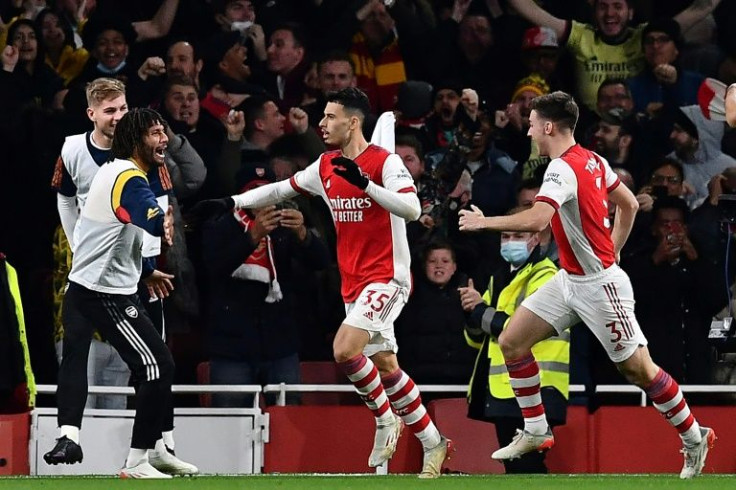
x=283, y=388
x=240, y=432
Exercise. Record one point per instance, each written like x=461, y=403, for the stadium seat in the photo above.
x=325, y=372
x=474, y=440
x=203, y=378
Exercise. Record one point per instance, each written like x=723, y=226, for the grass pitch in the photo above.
x=373, y=482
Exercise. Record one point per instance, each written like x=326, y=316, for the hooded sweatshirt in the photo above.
x=708, y=160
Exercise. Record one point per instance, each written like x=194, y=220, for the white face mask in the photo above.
x=241, y=26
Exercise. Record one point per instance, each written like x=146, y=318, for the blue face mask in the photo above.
x=515, y=252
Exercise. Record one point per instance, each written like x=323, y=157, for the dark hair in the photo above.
x=40, y=49
x=253, y=108
x=529, y=184
x=668, y=162
x=66, y=28
x=437, y=244
x=411, y=141
x=352, y=99
x=177, y=79
x=613, y=81
x=671, y=202
x=101, y=22
x=335, y=55
x=287, y=146
x=296, y=30
x=219, y=6
x=668, y=26
x=130, y=130
x=558, y=107
x=630, y=3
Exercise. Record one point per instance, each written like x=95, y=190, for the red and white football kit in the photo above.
x=372, y=248
x=590, y=286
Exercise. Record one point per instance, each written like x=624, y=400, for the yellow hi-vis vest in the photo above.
x=15, y=294
x=552, y=355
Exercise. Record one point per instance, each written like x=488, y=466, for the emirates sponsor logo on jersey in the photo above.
x=349, y=209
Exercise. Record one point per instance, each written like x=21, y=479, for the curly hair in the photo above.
x=130, y=130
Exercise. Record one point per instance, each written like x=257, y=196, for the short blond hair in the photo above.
x=102, y=89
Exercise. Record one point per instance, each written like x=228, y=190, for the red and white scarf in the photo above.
x=259, y=266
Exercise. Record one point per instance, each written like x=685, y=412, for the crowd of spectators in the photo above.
x=244, y=82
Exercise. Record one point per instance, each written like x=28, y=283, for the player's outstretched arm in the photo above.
x=731, y=105
x=533, y=219
x=259, y=197
x=402, y=202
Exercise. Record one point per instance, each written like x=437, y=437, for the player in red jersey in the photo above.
x=371, y=195
x=590, y=286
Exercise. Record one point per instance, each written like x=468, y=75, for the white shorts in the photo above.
x=375, y=311
x=604, y=301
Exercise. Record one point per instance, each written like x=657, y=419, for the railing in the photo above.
x=176, y=389
x=284, y=388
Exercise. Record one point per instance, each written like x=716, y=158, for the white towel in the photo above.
x=383, y=133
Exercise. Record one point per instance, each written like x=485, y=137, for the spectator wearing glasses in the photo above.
x=666, y=180
x=663, y=82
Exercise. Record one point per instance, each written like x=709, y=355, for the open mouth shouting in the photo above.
x=159, y=154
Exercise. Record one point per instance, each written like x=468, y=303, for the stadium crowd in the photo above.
x=244, y=83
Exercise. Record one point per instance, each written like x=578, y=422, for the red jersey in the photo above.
x=577, y=185
x=371, y=242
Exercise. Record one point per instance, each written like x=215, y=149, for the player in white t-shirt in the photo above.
x=371, y=195
x=81, y=157
x=590, y=286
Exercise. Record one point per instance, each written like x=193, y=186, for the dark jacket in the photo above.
x=236, y=326
x=674, y=311
x=429, y=333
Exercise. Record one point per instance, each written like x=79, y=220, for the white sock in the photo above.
x=136, y=456
x=536, y=425
x=69, y=431
x=168, y=439
x=692, y=436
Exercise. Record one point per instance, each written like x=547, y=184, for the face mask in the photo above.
x=241, y=26
x=515, y=252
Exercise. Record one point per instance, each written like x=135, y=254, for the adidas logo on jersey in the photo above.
x=368, y=315
x=618, y=347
